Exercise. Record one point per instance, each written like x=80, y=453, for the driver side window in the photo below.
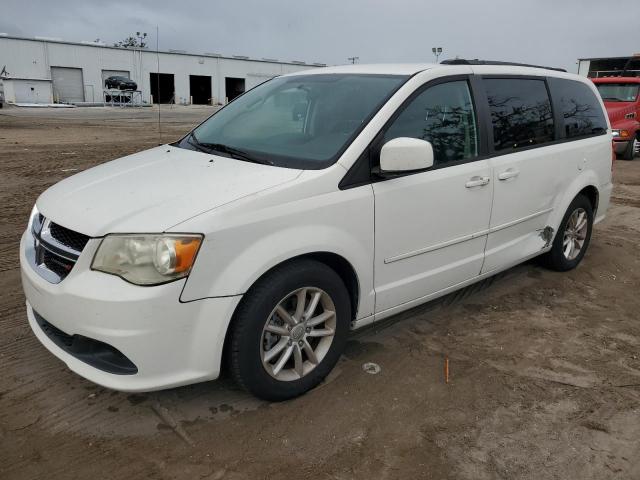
x=443, y=115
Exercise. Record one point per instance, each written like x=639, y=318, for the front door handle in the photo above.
x=477, y=182
x=509, y=173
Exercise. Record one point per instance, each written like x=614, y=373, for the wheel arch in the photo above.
x=586, y=185
x=592, y=193
x=337, y=263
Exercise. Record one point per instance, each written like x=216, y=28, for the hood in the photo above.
x=153, y=190
x=617, y=110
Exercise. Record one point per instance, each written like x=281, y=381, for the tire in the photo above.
x=557, y=258
x=630, y=151
x=259, y=327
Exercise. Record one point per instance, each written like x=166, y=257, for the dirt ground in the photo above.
x=544, y=366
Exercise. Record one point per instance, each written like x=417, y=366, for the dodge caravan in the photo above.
x=314, y=204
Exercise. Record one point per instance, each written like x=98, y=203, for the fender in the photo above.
x=249, y=237
x=587, y=178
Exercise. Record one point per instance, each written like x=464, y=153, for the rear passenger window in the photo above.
x=443, y=115
x=580, y=108
x=520, y=112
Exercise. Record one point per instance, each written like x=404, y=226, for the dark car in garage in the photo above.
x=120, y=83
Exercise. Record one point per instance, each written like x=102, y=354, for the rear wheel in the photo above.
x=572, y=240
x=290, y=330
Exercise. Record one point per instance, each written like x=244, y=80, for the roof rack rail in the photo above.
x=462, y=61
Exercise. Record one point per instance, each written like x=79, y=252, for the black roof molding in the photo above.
x=462, y=61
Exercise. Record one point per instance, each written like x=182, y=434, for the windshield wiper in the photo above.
x=219, y=147
x=233, y=152
x=194, y=141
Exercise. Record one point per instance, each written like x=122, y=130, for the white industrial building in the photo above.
x=43, y=70
x=610, y=66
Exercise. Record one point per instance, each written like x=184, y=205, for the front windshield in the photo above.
x=618, y=92
x=303, y=121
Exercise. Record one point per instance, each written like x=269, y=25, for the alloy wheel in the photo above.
x=298, y=334
x=575, y=234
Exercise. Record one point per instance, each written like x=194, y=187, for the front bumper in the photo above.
x=169, y=342
x=619, y=146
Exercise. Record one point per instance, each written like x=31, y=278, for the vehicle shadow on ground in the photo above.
x=217, y=400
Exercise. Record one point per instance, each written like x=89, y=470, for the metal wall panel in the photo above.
x=29, y=91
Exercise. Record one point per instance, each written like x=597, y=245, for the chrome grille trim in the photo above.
x=50, y=258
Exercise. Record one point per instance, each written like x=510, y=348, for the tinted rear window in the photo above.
x=521, y=112
x=579, y=107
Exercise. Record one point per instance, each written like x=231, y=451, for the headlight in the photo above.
x=147, y=259
x=620, y=133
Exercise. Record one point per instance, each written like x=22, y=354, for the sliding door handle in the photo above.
x=508, y=173
x=477, y=182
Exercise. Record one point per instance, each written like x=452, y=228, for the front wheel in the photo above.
x=290, y=330
x=572, y=240
x=631, y=150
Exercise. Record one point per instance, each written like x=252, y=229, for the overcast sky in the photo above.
x=548, y=32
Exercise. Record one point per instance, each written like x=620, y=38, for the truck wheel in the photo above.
x=630, y=151
x=289, y=330
x=572, y=240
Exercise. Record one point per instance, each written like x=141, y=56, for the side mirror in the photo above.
x=405, y=154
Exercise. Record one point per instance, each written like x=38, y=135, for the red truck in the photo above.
x=622, y=101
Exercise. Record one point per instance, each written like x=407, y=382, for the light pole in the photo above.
x=141, y=38
x=437, y=51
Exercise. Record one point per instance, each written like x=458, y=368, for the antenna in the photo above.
x=158, y=79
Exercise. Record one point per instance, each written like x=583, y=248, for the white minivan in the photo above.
x=314, y=204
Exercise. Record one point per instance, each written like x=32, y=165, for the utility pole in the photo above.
x=353, y=60
x=437, y=51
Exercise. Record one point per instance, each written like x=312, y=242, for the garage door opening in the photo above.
x=200, y=89
x=162, y=87
x=233, y=87
x=68, y=86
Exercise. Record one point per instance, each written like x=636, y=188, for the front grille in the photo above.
x=56, y=249
x=69, y=238
x=55, y=334
x=57, y=264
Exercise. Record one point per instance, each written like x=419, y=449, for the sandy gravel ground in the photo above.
x=544, y=367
